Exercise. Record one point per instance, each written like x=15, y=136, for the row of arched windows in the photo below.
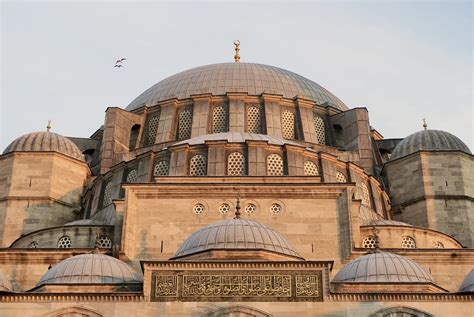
x=254, y=123
x=65, y=242
x=407, y=242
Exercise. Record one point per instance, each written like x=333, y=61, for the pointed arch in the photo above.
x=237, y=310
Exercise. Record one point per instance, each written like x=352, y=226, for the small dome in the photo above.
x=91, y=269
x=236, y=234
x=236, y=137
x=218, y=79
x=428, y=140
x=45, y=141
x=380, y=267
x=468, y=283
x=385, y=222
x=5, y=285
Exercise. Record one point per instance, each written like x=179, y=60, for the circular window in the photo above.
x=64, y=242
x=224, y=208
x=104, y=242
x=198, y=209
x=439, y=245
x=275, y=209
x=33, y=245
x=369, y=242
x=408, y=243
x=250, y=208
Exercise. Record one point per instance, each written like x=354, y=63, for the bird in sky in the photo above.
x=119, y=62
x=118, y=65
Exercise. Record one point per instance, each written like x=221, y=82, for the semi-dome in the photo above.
x=218, y=79
x=468, y=284
x=236, y=137
x=385, y=222
x=236, y=234
x=45, y=141
x=380, y=267
x=5, y=285
x=93, y=268
x=428, y=140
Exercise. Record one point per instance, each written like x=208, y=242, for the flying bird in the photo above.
x=118, y=65
x=119, y=62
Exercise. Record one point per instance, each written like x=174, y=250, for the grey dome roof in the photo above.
x=236, y=234
x=382, y=267
x=5, y=285
x=428, y=140
x=468, y=283
x=251, y=78
x=385, y=222
x=236, y=137
x=45, y=141
x=91, y=269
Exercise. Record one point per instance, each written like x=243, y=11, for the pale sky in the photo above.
x=404, y=61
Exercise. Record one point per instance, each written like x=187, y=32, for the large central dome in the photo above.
x=218, y=79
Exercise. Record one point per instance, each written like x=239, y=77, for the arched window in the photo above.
x=64, y=242
x=161, y=168
x=438, y=245
x=185, y=120
x=340, y=178
x=107, y=198
x=33, y=245
x=134, y=132
x=219, y=119
x=274, y=165
x=408, y=243
x=104, y=242
x=319, y=128
x=132, y=176
x=310, y=169
x=288, y=124
x=365, y=195
x=75, y=312
x=236, y=164
x=254, y=119
x=400, y=312
x=198, y=165
x=152, y=129
x=369, y=242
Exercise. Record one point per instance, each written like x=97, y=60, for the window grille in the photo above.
x=185, y=119
x=274, y=165
x=224, y=208
x=33, y=245
x=153, y=129
x=408, y=243
x=198, y=165
x=275, y=209
x=369, y=242
x=107, y=194
x=254, y=119
x=161, y=168
x=288, y=124
x=198, y=209
x=219, y=120
x=132, y=176
x=236, y=164
x=340, y=178
x=365, y=195
x=319, y=128
x=310, y=169
x=250, y=208
x=104, y=242
x=64, y=242
x=439, y=245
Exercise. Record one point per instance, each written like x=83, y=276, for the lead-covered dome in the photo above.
x=380, y=267
x=218, y=79
x=236, y=234
x=468, y=283
x=428, y=140
x=91, y=269
x=45, y=141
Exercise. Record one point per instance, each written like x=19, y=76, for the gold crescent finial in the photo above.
x=48, y=127
x=425, y=125
x=237, y=49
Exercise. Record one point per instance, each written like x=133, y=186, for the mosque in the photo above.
x=237, y=189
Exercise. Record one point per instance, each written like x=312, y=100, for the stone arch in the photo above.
x=237, y=311
x=74, y=311
x=400, y=312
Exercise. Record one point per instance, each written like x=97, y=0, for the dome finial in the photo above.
x=425, y=125
x=237, y=208
x=237, y=49
x=48, y=127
